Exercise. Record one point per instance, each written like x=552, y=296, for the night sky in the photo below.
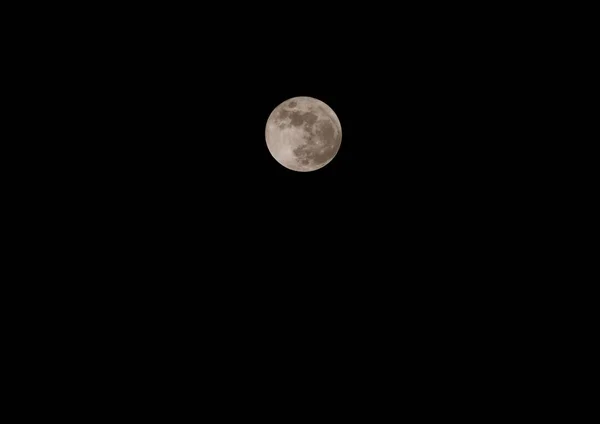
x=172, y=174
x=172, y=245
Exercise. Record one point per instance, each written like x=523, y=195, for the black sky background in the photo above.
x=174, y=240
x=165, y=169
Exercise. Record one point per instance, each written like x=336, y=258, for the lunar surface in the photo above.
x=303, y=134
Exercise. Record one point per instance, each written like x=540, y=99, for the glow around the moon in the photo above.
x=303, y=134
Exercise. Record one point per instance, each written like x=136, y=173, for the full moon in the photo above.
x=303, y=134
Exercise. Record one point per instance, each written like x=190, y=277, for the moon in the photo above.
x=303, y=134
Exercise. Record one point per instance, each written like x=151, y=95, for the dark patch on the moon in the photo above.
x=311, y=154
x=326, y=132
x=297, y=119
x=301, y=151
x=321, y=157
x=292, y=103
x=310, y=118
x=302, y=154
x=283, y=114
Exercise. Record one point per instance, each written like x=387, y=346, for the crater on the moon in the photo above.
x=303, y=134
